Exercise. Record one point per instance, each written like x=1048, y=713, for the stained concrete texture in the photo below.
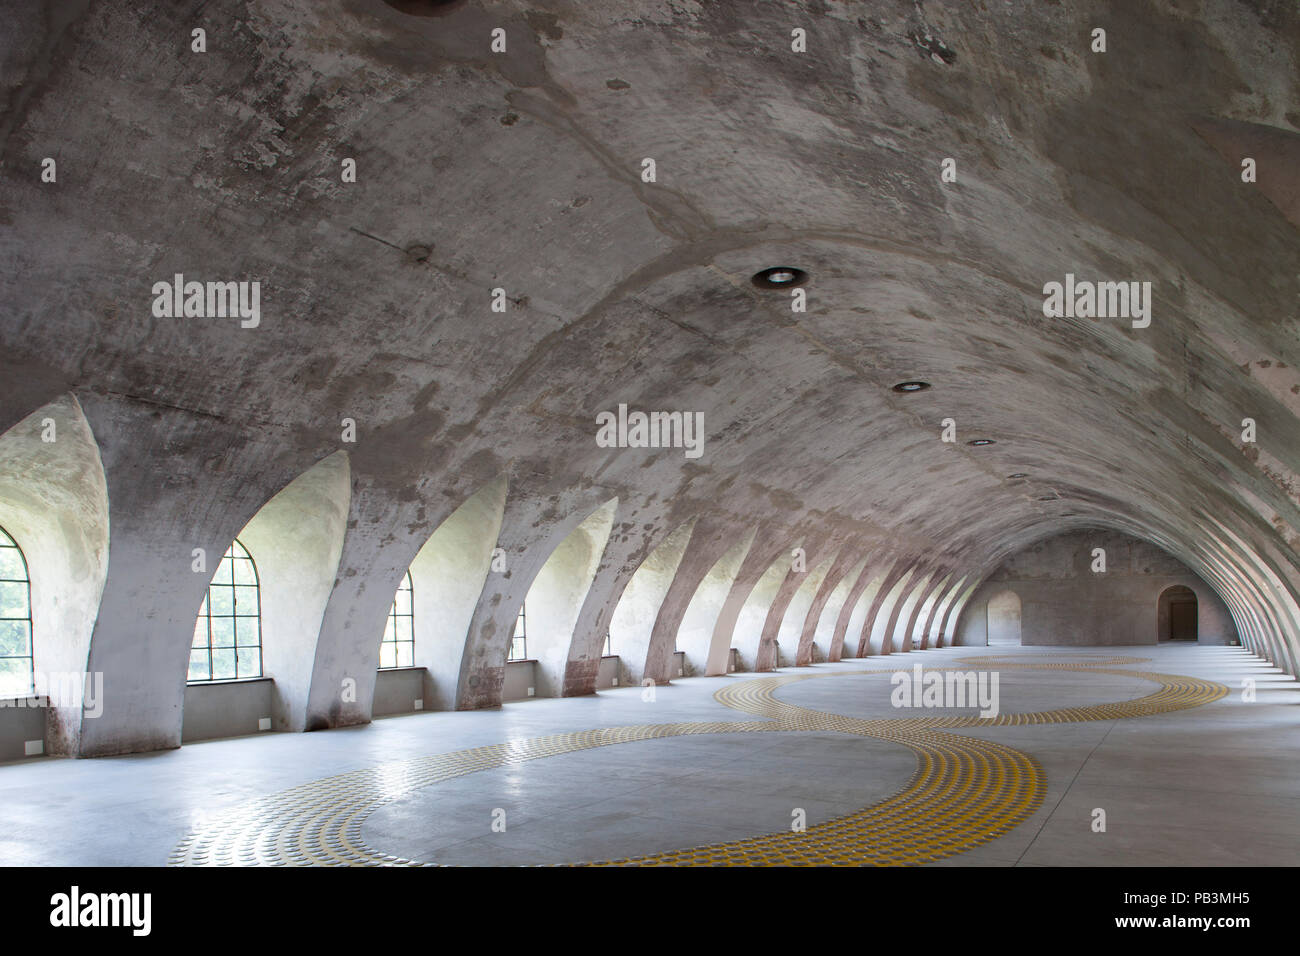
x=1209, y=785
x=524, y=170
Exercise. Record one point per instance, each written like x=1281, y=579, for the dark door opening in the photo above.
x=1177, y=614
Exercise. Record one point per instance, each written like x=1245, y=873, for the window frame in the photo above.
x=7, y=541
x=395, y=618
x=520, y=634
x=205, y=615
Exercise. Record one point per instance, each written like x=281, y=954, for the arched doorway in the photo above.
x=1004, y=618
x=1176, y=614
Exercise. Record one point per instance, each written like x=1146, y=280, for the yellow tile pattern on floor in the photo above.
x=965, y=791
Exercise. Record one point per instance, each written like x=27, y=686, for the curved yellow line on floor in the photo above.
x=965, y=791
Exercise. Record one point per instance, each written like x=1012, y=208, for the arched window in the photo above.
x=398, y=646
x=16, y=668
x=519, y=643
x=228, y=633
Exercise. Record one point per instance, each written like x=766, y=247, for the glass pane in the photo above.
x=388, y=655
x=248, y=632
x=250, y=661
x=13, y=599
x=245, y=600
x=223, y=632
x=203, y=608
x=404, y=630
x=403, y=602
x=519, y=626
x=223, y=664
x=11, y=564
x=390, y=634
x=200, y=633
x=15, y=639
x=15, y=677
x=223, y=572
x=244, y=572
x=405, y=655
x=198, y=665
x=221, y=601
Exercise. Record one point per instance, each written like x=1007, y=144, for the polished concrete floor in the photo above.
x=1211, y=782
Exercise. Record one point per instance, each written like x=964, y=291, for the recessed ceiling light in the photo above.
x=981, y=441
x=911, y=386
x=424, y=8
x=780, y=277
x=1019, y=474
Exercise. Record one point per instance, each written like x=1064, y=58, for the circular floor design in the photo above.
x=965, y=791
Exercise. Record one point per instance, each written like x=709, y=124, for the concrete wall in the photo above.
x=397, y=690
x=226, y=709
x=1064, y=602
x=520, y=678
x=607, y=675
x=20, y=726
x=679, y=665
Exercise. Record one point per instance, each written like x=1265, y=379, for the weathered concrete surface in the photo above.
x=522, y=171
x=1063, y=601
x=54, y=503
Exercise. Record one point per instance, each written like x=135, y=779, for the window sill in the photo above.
x=233, y=680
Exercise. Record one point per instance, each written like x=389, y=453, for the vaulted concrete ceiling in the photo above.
x=523, y=170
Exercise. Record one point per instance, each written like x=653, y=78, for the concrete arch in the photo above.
x=530, y=534
x=952, y=626
x=853, y=615
x=767, y=549
x=935, y=629
x=767, y=656
x=624, y=554
x=881, y=621
x=447, y=577
x=695, y=633
x=54, y=502
x=924, y=612
x=633, y=621
x=556, y=596
x=296, y=539
x=790, y=634
x=899, y=630
x=1271, y=593
x=748, y=634
x=820, y=633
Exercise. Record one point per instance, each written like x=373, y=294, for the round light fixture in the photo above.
x=911, y=386
x=424, y=8
x=780, y=277
x=981, y=441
